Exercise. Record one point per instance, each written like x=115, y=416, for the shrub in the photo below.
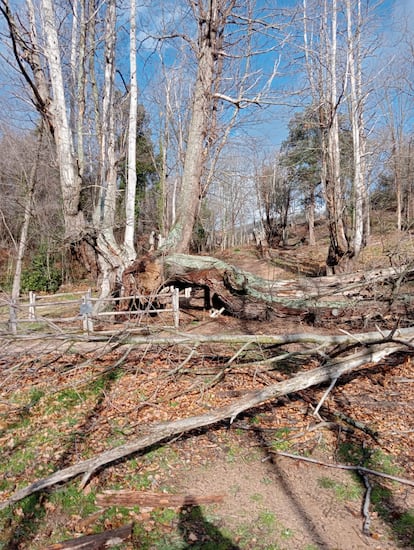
x=42, y=274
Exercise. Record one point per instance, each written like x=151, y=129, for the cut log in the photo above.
x=107, y=539
x=153, y=500
x=161, y=432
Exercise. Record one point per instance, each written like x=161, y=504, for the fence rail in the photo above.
x=33, y=310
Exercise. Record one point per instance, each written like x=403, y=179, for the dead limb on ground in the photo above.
x=107, y=539
x=157, y=433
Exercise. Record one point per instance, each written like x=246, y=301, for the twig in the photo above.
x=239, y=352
x=324, y=396
x=183, y=363
x=361, y=469
x=365, y=506
x=357, y=424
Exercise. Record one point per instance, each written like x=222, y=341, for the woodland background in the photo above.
x=192, y=125
x=261, y=154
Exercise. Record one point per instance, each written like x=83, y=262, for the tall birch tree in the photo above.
x=356, y=110
x=131, y=184
x=332, y=42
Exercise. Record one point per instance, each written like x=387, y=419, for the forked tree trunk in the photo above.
x=109, y=252
x=179, y=237
x=211, y=18
x=338, y=247
x=356, y=103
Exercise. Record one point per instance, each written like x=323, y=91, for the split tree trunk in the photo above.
x=247, y=296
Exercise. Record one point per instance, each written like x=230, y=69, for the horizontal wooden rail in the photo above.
x=85, y=305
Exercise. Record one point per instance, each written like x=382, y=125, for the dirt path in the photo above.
x=280, y=503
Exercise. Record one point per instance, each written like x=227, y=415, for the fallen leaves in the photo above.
x=105, y=409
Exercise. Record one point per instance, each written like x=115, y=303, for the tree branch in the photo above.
x=162, y=431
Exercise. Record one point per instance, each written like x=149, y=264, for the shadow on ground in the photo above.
x=197, y=532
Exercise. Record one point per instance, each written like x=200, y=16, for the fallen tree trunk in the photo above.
x=404, y=335
x=184, y=266
x=247, y=296
x=163, y=431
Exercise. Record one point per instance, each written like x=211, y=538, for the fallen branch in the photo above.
x=162, y=431
x=324, y=396
x=107, y=539
x=403, y=336
x=357, y=424
x=365, y=506
x=360, y=469
x=153, y=500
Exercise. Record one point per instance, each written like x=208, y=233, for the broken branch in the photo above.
x=360, y=469
x=163, y=431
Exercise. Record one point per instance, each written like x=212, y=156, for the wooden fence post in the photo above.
x=32, y=305
x=175, y=297
x=13, y=317
x=85, y=311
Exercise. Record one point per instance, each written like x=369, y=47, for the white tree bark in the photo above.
x=211, y=19
x=131, y=183
x=356, y=108
x=31, y=183
x=180, y=234
x=69, y=178
x=110, y=258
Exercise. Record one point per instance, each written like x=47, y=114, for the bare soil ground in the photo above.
x=50, y=418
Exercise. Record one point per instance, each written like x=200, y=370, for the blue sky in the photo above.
x=273, y=121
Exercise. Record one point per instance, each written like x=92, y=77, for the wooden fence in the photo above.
x=43, y=308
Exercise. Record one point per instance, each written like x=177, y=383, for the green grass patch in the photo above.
x=35, y=395
x=20, y=522
x=402, y=523
x=63, y=401
x=344, y=492
x=71, y=500
x=18, y=461
x=255, y=420
x=267, y=519
x=383, y=462
x=375, y=459
x=279, y=440
x=404, y=527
